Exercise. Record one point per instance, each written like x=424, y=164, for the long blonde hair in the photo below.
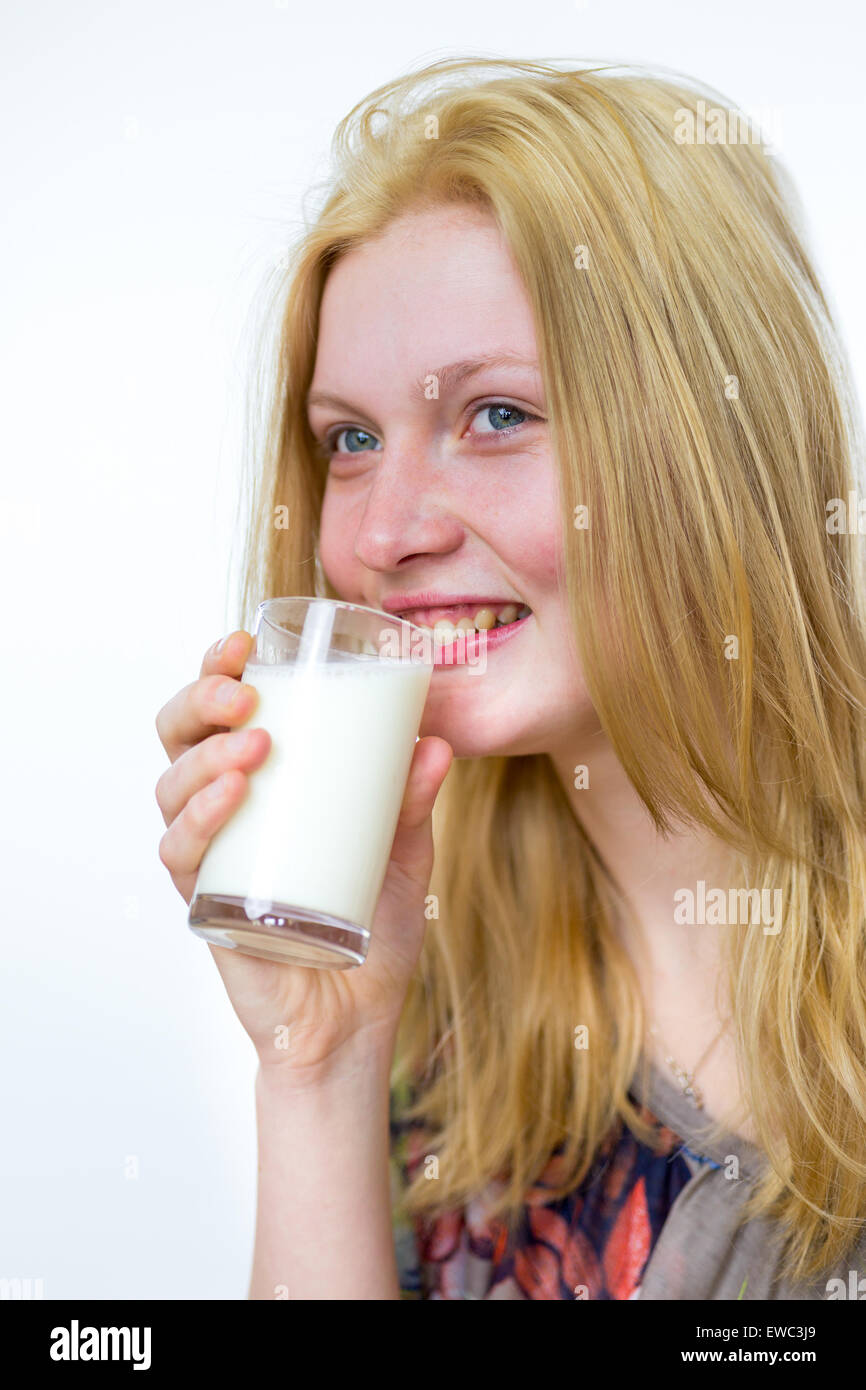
x=699, y=410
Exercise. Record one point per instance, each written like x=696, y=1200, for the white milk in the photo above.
x=317, y=822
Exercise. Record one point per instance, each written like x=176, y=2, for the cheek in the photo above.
x=530, y=537
x=336, y=549
x=547, y=556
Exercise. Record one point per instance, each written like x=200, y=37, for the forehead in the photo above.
x=434, y=287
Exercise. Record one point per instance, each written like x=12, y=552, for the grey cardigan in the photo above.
x=701, y=1253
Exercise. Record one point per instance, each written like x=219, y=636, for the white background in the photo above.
x=154, y=160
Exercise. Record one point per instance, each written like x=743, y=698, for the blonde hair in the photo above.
x=699, y=409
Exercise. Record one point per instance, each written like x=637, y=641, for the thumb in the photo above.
x=412, y=849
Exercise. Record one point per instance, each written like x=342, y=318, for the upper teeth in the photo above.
x=445, y=631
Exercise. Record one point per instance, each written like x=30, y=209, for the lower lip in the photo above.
x=496, y=636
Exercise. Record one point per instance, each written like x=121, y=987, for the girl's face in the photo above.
x=432, y=498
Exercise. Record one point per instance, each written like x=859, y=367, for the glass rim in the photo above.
x=336, y=603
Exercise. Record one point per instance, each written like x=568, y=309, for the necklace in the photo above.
x=686, y=1079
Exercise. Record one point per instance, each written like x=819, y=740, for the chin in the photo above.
x=474, y=736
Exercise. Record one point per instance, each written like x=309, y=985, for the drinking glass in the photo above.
x=295, y=874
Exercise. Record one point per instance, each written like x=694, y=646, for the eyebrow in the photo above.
x=449, y=376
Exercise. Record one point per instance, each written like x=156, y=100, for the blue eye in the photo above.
x=501, y=409
x=330, y=444
x=501, y=417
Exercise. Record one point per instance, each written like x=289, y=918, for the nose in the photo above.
x=408, y=512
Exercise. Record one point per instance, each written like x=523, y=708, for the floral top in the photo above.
x=593, y=1243
x=649, y=1221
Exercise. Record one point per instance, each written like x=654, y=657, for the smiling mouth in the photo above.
x=446, y=623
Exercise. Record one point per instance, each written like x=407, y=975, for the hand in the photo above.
x=334, y=1017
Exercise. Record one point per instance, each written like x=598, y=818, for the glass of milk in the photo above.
x=295, y=874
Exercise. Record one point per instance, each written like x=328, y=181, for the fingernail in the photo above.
x=216, y=789
x=237, y=742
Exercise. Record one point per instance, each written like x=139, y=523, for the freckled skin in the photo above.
x=439, y=498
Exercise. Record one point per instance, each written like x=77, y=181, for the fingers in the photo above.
x=228, y=655
x=183, y=845
x=430, y=762
x=413, y=841
x=204, y=705
x=207, y=760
